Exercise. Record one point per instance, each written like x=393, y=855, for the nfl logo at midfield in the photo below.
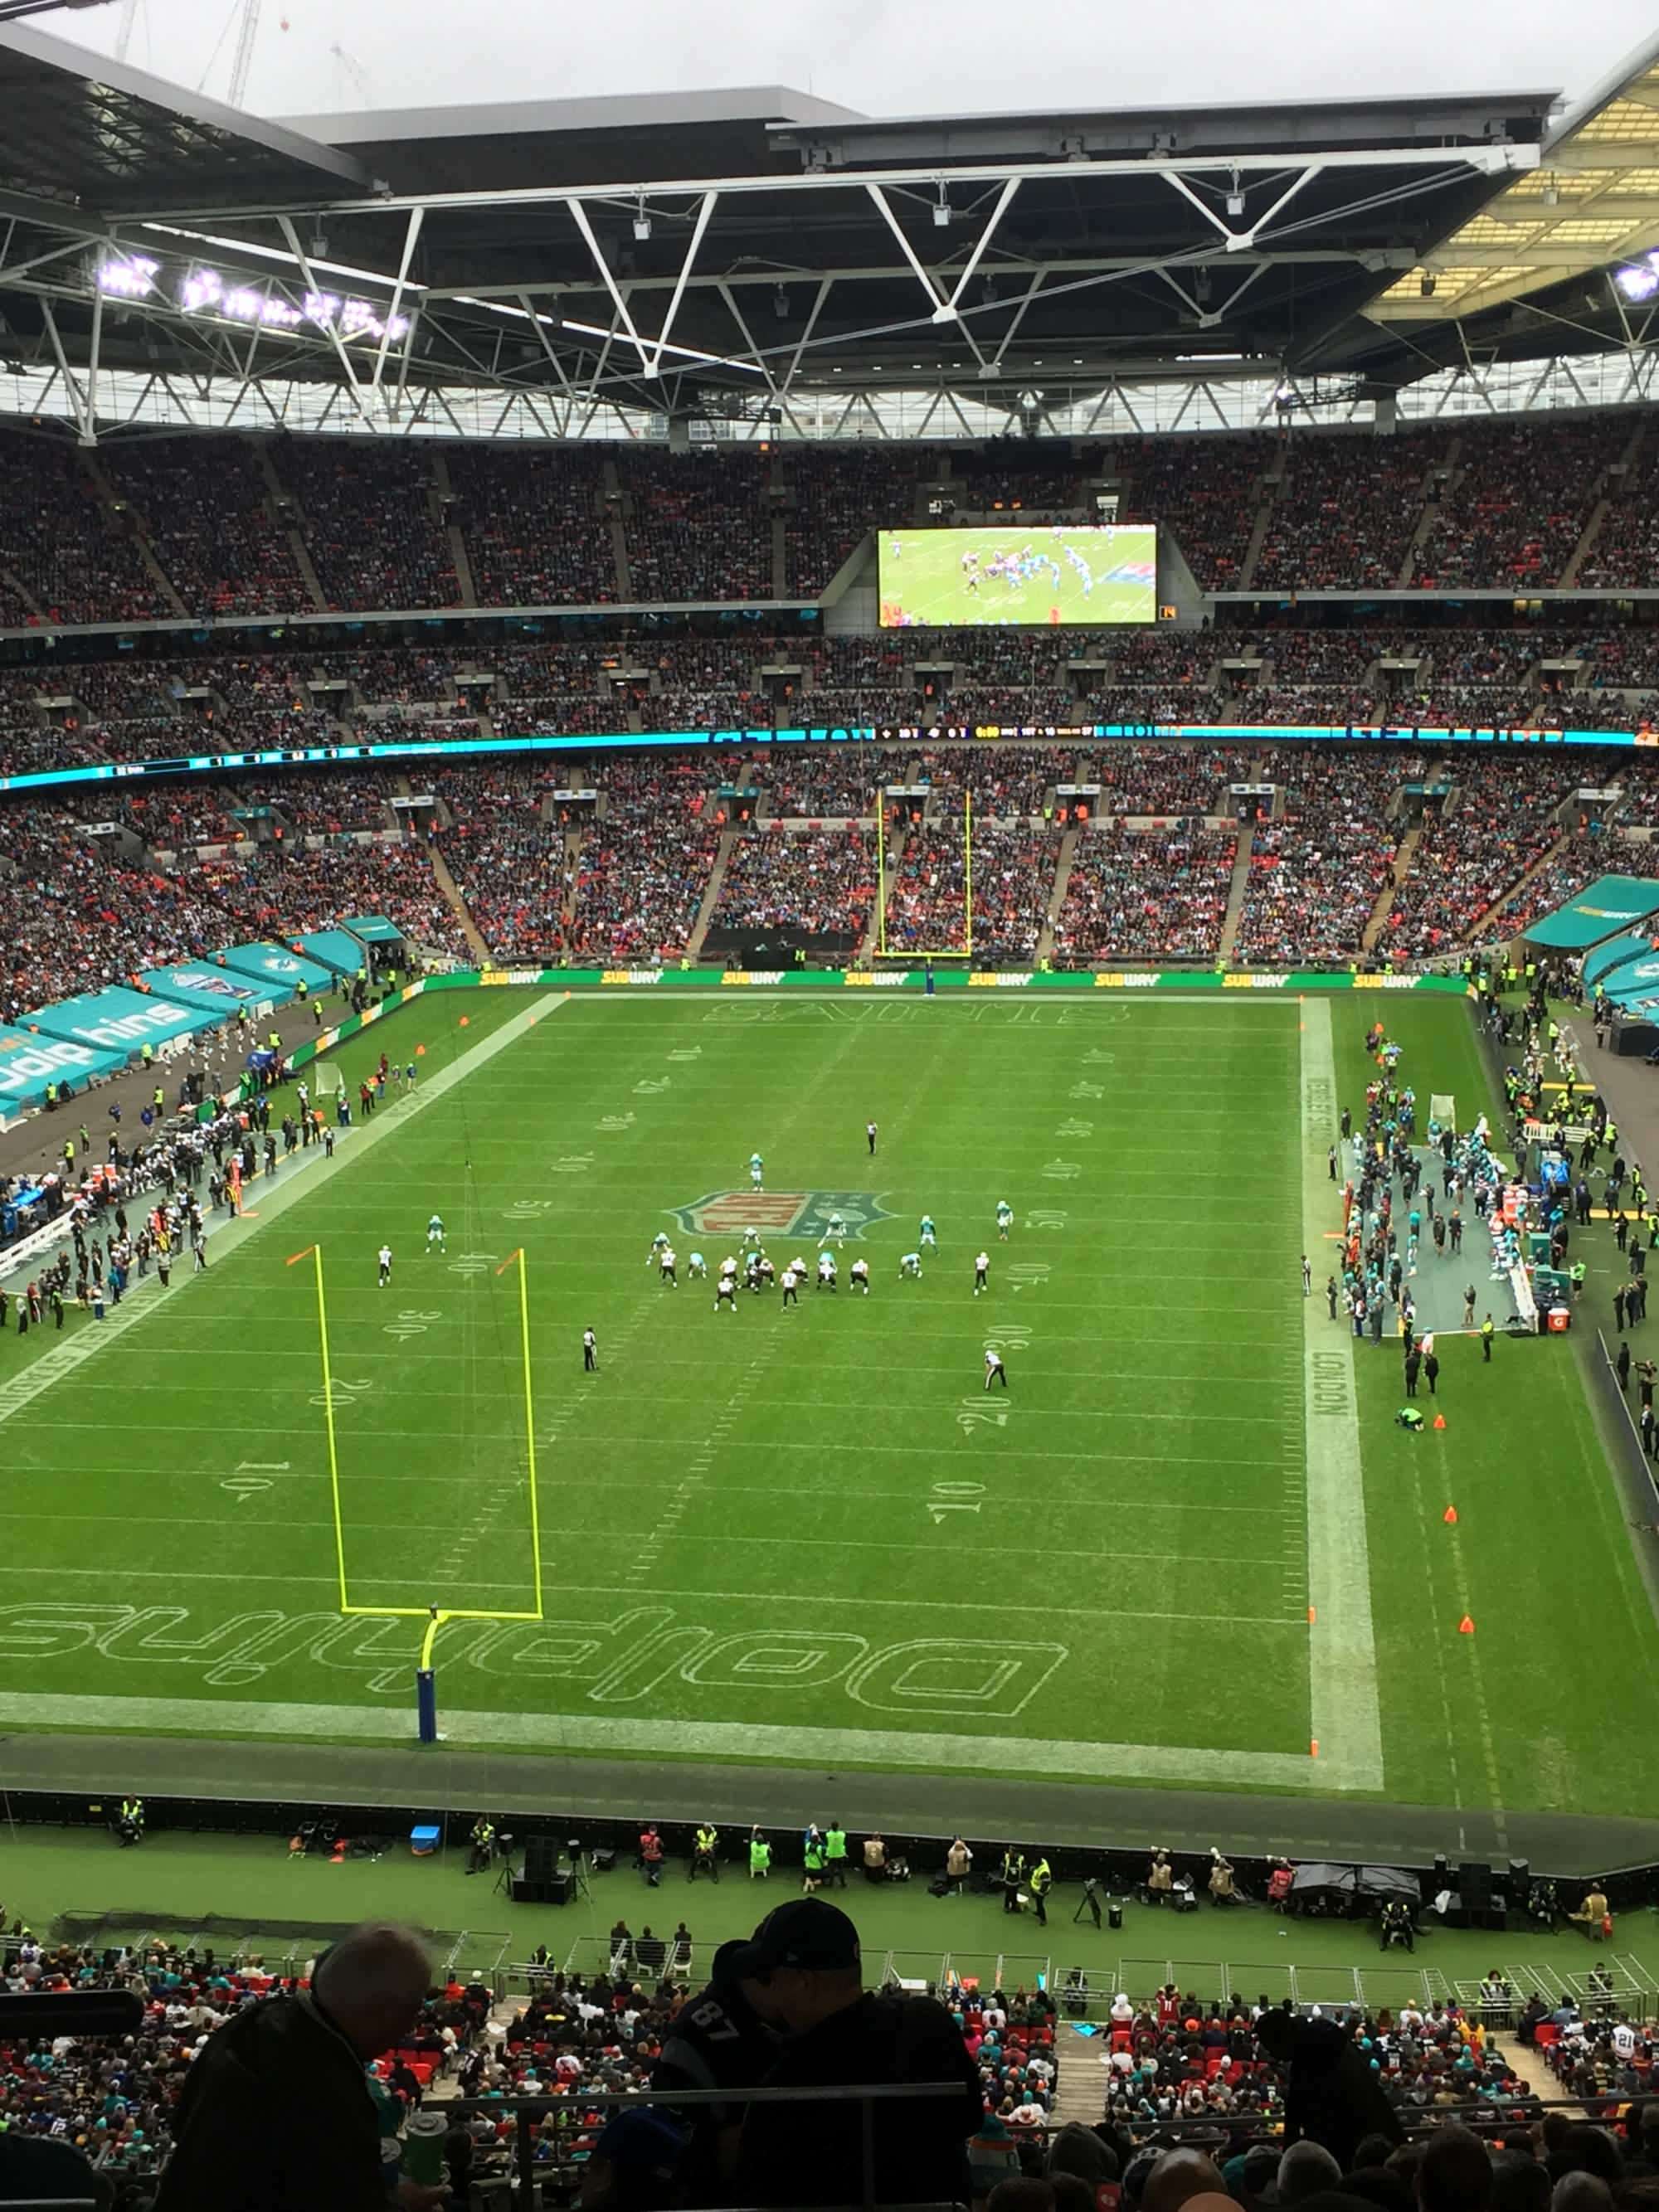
x=780, y=1212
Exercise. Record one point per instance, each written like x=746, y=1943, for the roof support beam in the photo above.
x=705, y=208
x=411, y=238
x=286, y=224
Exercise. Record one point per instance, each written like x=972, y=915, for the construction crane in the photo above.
x=247, y=31
x=348, y=65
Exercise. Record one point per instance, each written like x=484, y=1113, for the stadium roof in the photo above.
x=718, y=253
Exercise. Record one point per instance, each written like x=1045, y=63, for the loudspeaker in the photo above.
x=1474, y=1888
x=602, y=1858
x=1520, y=1878
x=540, y=1859
x=1635, y=1038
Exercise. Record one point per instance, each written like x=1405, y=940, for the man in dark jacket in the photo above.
x=805, y=1956
x=275, y=2115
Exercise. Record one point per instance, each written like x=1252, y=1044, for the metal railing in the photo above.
x=527, y=2111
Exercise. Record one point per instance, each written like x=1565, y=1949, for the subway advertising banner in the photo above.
x=913, y=979
x=28, y=1063
x=412, y=749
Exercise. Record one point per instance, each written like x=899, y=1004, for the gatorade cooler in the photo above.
x=1560, y=1320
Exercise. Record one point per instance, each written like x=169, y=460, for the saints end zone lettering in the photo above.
x=780, y=1212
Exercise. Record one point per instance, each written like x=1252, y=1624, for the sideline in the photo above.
x=296, y=1178
x=1347, y=1720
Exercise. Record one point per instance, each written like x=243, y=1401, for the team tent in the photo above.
x=123, y=1022
x=204, y=983
x=280, y=971
x=29, y=1062
x=336, y=948
x=1607, y=907
x=372, y=928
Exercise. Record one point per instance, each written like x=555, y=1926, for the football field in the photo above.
x=1188, y=1545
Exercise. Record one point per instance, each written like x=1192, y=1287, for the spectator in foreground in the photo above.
x=806, y=1955
x=275, y=2115
x=35, y=2170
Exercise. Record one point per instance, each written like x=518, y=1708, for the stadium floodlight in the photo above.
x=1236, y=197
x=942, y=210
x=781, y=304
x=1426, y=288
x=1640, y=281
x=641, y=222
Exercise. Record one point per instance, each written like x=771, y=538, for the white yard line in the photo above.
x=1347, y=1714
x=301, y=1176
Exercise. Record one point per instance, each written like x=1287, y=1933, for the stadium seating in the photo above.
x=208, y=514
x=808, y=883
x=1159, y=894
x=64, y=557
x=370, y=522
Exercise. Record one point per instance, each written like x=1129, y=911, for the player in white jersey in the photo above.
x=981, y=1267
x=1005, y=1220
x=910, y=1264
x=658, y=1245
x=861, y=1276
x=728, y=1269
x=434, y=1232
x=791, y=1282
x=726, y=1290
x=666, y=1267
x=837, y=1230
x=696, y=1266
x=386, y=1265
x=826, y=1271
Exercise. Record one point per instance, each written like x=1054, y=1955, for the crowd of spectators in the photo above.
x=1500, y=820
x=535, y=524
x=836, y=495
x=697, y=526
x=1002, y=779
x=1343, y=512
x=113, y=2097
x=205, y=509
x=1515, y=506
x=1148, y=777
x=1205, y=491
x=1625, y=549
x=812, y=882
x=645, y=865
x=1316, y=874
x=1152, y=895
x=808, y=785
x=509, y=860
x=370, y=522
x=64, y=557
x=1013, y=875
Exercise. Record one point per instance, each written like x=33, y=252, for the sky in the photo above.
x=881, y=57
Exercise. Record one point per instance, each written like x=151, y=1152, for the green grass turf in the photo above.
x=244, y=1892
x=765, y=1523
x=924, y=583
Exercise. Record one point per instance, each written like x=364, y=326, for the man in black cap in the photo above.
x=721, y=2039
x=806, y=1957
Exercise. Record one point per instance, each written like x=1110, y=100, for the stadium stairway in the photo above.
x=1259, y=529
x=866, y=952
x=1609, y=485
x=1080, y=2077
x=444, y=509
x=1405, y=853
x=285, y=516
x=452, y=891
x=1482, y=922
x=1057, y=896
x=14, y=583
x=618, y=534
x=1425, y=521
x=711, y=896
x=1235, y=891
x=779, y=559
x=95, y=467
